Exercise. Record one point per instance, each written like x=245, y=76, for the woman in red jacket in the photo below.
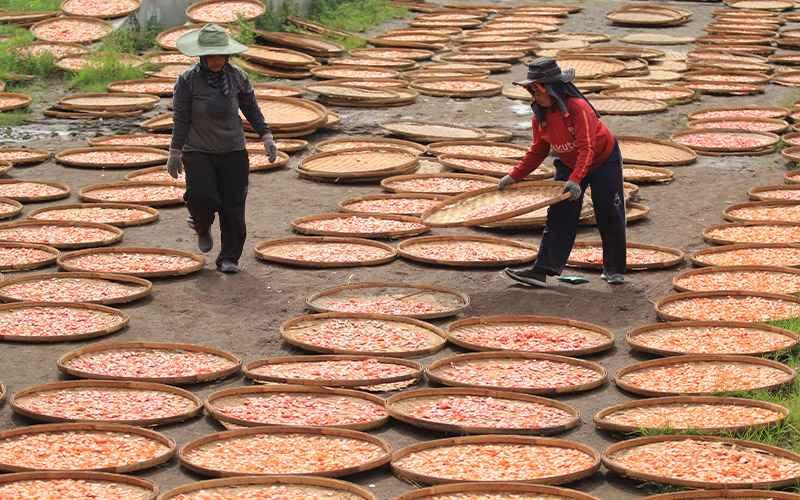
x=565, y=123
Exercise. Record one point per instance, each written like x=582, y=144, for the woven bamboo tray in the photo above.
x=5, y=166
x=656, y=39
x=151, y=174
x=10, y=101
x=152, y=213
x=544, y=391
x=22, y=18
x=29, y=265
x=160, y=141
x=183, y=380
x=455, y=211
x=627, y=106
x=115, y=232
x=404, y=250
x=698, y=358
x=199, y=261
x=770, y=125
x=292, y=324
x=655, y=175
x=452, y=330
x=612, y=465
x=36, y=199
x=62, y=114
x=232, y=15
x=394, y=405
x=406, y=291
x=276, y=56
x=320, y=431
x=669, y=95
x=592, y=67
x=446, y=87
x=634, y=343
x=416, y=477
x=335, y=487
x=9, y=208
x=397, y=64
x=158, y=123
x=393, y=184
x=697, y=257
x=2, y=392
x=484, y=147
x=123, y=10
x=655, y=152
x=64, y=157
x=23, y=156
x=262, y=254
x=677, y=257
x=490, y=488
x=358, y=163
x=297, y=225
x=314, y=45
x=744, y=494
x=161, y=87
x=212, y=406
x=72, y=25
x=86, y=195
x=724, y=89
x=413, y=54
x=647, y=16
x=117, y=102
x=762, y=193
x=724, y=293
x=747, y=77
x=355, y=142
x=776, y=112
x=413, y=375
x=765, y=140
x=729, y=212
x=96, y=427
x=291, y=114
x=601, y=422
x=479, y=165
x=146, y=286
x=431, y=132
x=148, y=489
x=65, y=338
x=346, y=95
x=708, y=238
x=197, y=405
x=791, y=154
x=768, y=5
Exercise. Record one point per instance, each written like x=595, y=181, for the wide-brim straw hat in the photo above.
x=546, y=70
x=210, y=40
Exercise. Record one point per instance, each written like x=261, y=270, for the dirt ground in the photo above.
x=242, y=313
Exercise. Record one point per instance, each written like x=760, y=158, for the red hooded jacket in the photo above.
x=579, y=138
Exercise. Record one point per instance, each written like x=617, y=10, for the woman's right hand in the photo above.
x=175, y=163
x=504, y=182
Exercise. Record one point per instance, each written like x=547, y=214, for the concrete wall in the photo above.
x=171, y=12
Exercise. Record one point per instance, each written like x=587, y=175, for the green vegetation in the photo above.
x=14, y=62
x=14, y=118
x=133, y=39
x=104, y=69
x=354, y=15
x=276, y=21
x=30, y=5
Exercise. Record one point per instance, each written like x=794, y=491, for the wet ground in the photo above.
x=242, y=313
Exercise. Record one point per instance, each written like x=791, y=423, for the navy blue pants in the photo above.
x=217, y=183
x=608, y=198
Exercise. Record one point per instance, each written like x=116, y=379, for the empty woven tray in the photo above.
x=655, y=152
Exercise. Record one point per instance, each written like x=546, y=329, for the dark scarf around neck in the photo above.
x=219, y=80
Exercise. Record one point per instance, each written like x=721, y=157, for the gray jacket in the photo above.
x=206, y=120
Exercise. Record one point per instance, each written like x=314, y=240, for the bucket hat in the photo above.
x=210, y=40
x=546, y=70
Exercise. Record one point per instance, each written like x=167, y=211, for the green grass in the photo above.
x=14, y=118
x=29, y=5
x=102, y=70
x=133, y=39
x=354, y=15
x=12, y=62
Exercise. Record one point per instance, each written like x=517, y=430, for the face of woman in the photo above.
x=540, y=95
x=216, y=63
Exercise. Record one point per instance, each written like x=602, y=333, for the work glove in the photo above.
x=270, y=147
x=504, y=182
x=574, y=190
x=174, y=164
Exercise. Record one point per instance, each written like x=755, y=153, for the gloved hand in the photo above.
x=574, y=190
x=270, y=147
x=174, y=164
x=504, y=182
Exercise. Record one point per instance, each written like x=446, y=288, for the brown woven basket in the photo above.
x=10, y=101
x=152, y=213
x=656, y=39
x=463, y=163
x=346, y=205
x=136, y=176
x=27, y=156
x=160, y=141
x=631, y=337
x=677, y=257
x=115, y=232
x=86, y=195
x=250, y=370
x=197, y=487
x=478, y=356
x=728, y=213
x=403, y=249
x=119, y=12
x=150, y=488
x=592, y=67
x=655, y=175
x=601, y=421
x=364, y=162
x=391, y=183
x=297, y=225
x=5, y=166
x=762, y=193
x=613, y=105
x=292, y=324
x=770, y=125
x=712, y=76
x=724, y=89
x=698, y=358
x=408, y=290
x=431, y=131
x=12, y=208
x=417, y=477
x=708, y=238
x=199, y=260
x=511, y=151
x=697, y=257
x=446, y=87
x=116, y=101
x=197, y=405
x=65, y=338
x=158, y=123
x=655, y=152
x=54, y=254
x=212, y=406
x=490, y=488
x=64, y=157
x=276, y=56
x=314, y=45
x=96, y=427
x=723, y=293
x=64, y=360
x=262, y=254
x=395, y=403
x=194, y=17
x=792, y=154
x=220, y=437
x=744, y=494
x=72, y=24
x=455, y=211
x=453, y=328
x=614, y=466
x=146, y=286
x=161, y=87
x=36, y=199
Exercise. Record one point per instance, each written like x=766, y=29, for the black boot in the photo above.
x=531, y=277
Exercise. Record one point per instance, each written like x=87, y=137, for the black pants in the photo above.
x=218, y=183
x=608, y=198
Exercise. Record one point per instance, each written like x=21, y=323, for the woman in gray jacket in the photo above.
x=208, y=139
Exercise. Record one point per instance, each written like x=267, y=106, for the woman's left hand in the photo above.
x=574, y=190
x=270, y=147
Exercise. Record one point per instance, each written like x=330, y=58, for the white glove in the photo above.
x=270, y=147
x=504, y=182
x=574, y=190
x=174, y=164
